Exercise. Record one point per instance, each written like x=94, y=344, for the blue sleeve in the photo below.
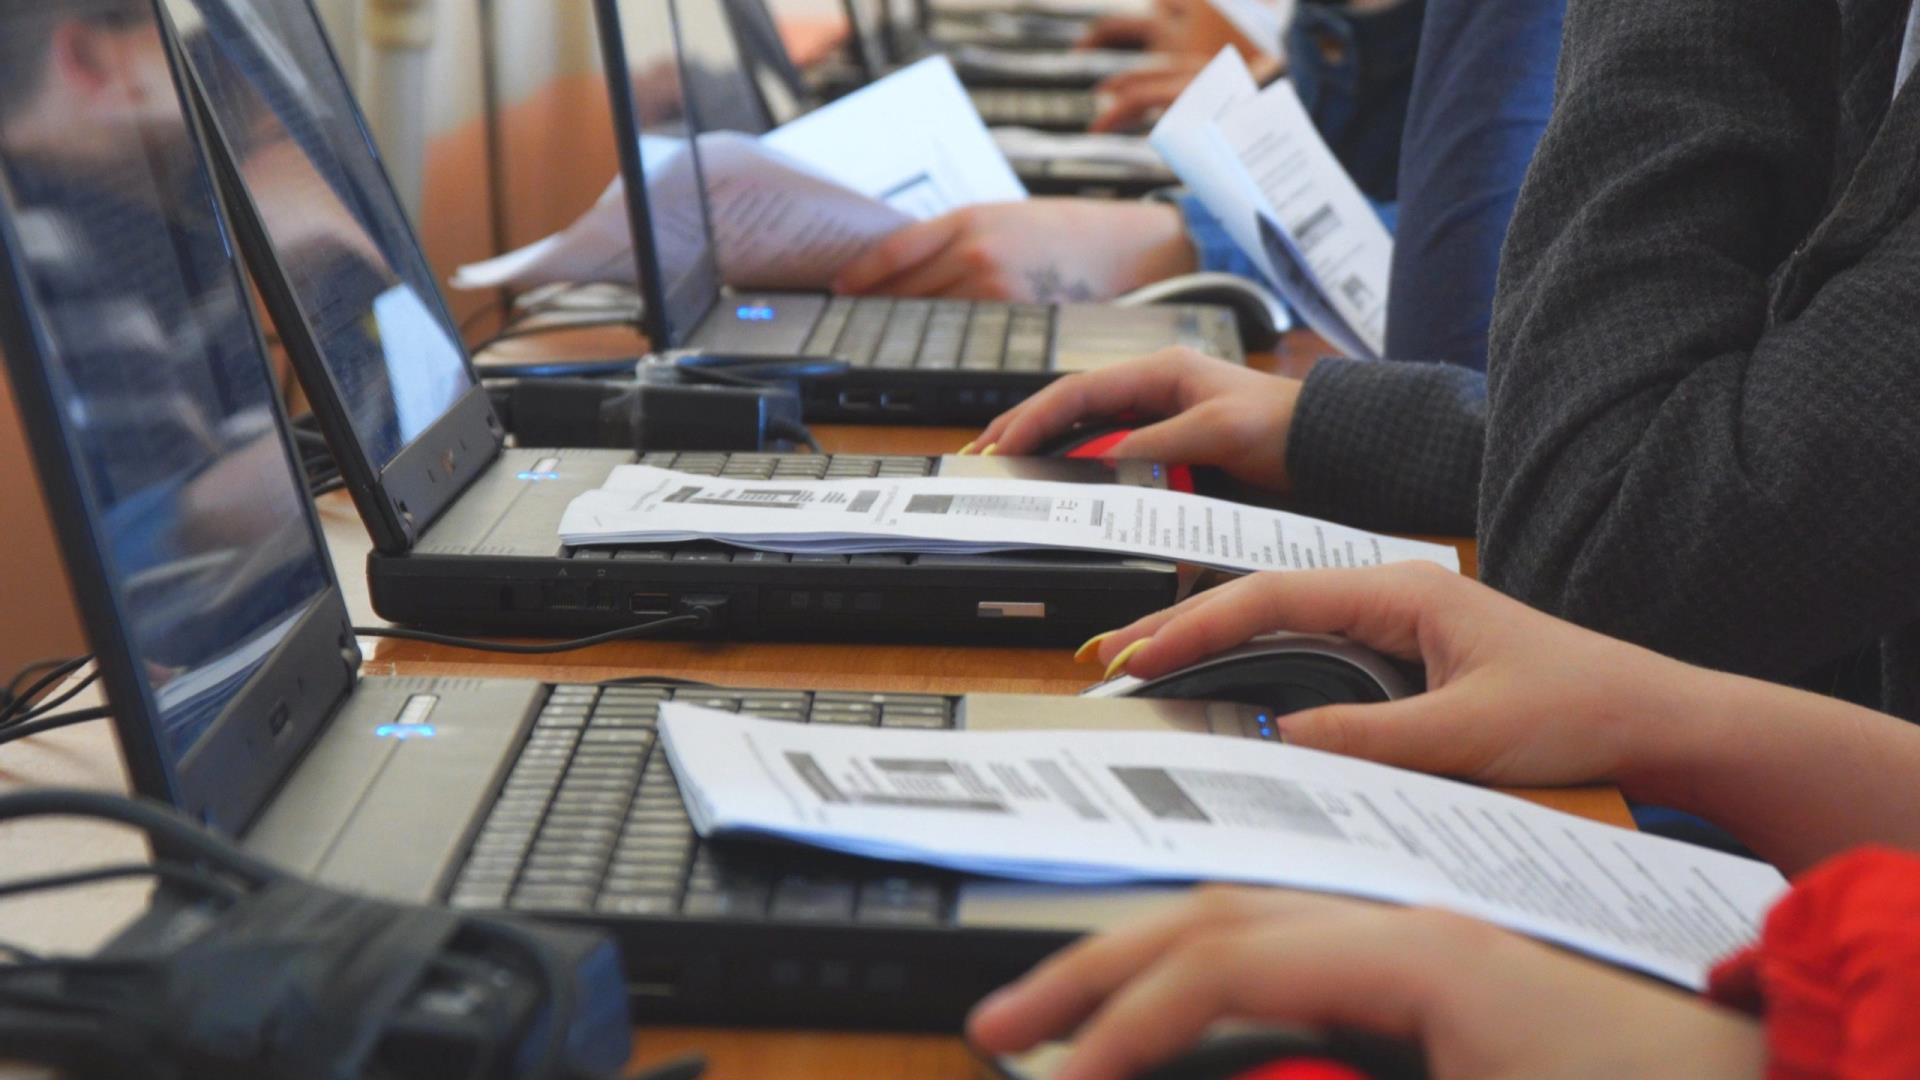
x=1482, y=92
x=1213, y=248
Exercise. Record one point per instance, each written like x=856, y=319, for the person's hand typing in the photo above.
x=1189, y=409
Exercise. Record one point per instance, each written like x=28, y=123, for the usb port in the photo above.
x=856, y=399
x=900, y=400
x=656, y=605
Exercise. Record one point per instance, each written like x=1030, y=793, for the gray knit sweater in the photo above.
x=1701, y=424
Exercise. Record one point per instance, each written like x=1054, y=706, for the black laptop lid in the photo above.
x=672, y=233
x=153, y=416
x=339, y=265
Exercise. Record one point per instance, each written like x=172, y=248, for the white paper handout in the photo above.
x=640, y=504
x=1113, y=807
x=1246, y=152
x=913, y=140
x=790, y=208
x=1263, y=22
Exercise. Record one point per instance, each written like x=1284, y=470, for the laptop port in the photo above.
x=653, y=605
x=857, y=399
x=900, y=400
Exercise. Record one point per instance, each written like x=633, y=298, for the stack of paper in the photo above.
x=640, y=504
x=789, y=208
x=1107, y=807
x=1249, y=153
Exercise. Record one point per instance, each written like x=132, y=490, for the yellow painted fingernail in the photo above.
x=1119, y=665
x=1091, y=649
x=967, y=449
x=991, y=447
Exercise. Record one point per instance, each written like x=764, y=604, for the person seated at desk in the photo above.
x=1519, y=698
x=1459, y=138
x=1696, y=426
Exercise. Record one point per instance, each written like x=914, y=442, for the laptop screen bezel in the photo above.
x=665, y=330
x=398, y=502
x=763, y=54
x=247, y=750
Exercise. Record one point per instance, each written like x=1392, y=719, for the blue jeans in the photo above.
x=1482, y=92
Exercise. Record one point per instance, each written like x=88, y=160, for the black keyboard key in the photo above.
x=638, y=904
x=553, y=898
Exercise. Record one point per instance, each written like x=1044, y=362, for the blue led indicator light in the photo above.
x=753, y=313
x=536, y=477
x=404, y=732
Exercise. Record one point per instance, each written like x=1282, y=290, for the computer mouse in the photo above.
x=1282, y=672
x=1256, y=1054
x=1261, y=316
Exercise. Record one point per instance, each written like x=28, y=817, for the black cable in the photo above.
x=623, y=634
x=657, y=680
x=171, y=830
x=178, y=875
x=27, y=729
x=46, y=708
x=22, y=700
x=13, y=684
x=780, y=429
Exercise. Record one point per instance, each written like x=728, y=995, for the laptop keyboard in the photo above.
x=1033, y=108
x=590, y=821
x=934, y=335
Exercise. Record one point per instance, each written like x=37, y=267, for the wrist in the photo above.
x=1677, y=728
x=1165, y=251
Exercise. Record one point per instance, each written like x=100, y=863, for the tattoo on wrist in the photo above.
x=1051, y=287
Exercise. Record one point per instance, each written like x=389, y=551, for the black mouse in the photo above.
x=1257, y=1055
x=1281, y=672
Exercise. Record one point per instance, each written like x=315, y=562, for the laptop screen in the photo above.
x=652, y=117
x=337, y=230
x=126, y=302
x=782, y=88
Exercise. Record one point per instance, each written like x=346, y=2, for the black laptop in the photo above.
x=907, y=361
x=466, y=531
x=227, y=653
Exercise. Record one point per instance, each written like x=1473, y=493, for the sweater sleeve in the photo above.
x=1389, y=445
x=1669, y=459
x=1836, y=972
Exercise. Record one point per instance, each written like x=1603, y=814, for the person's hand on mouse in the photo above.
x=1193, y=409
x=1037, y=251
x=1514, y=696
x=1480, y=1002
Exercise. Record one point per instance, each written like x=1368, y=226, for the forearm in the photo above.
x=1795, y=776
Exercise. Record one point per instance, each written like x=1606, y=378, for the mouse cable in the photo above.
x=702, y=618
x=27, y=729
x=18, y=698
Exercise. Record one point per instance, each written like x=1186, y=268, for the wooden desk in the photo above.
x=86, y=756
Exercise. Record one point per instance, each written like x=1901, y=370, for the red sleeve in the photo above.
x=1836, y=972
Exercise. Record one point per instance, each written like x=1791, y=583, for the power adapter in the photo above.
x=648, y=415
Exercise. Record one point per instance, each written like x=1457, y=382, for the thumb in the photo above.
x=1428, y=733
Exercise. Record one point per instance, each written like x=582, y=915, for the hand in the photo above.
x=1126, y=99
x=1209, y=412
x=1514, y=696
x=1038, y=251
x=1120, y=32
x=1480, y=1001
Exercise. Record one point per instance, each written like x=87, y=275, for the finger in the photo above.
x=941, y=275
x=1114, y=641
x=1382, y=608
x=1153, y=385
x=1069, y=986
x=1430, y=733
x=901, y=250
x=1189, y=438
x=1126, y=108
x=1369, y=970
x=1148, y=385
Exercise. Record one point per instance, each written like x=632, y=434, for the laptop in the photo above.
x=906, y=361
x=226, y=649
x=466, y=531
x=779, y=93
